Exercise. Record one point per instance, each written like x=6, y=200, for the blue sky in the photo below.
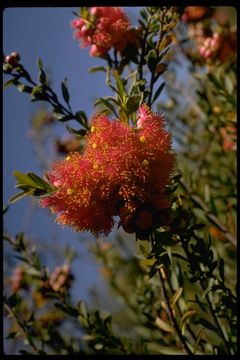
x=45, y=33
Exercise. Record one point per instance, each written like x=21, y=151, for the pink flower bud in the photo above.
x=97, y=50
x=95, y=11
x=207, y=53
x=87, y=30
x=13, y=58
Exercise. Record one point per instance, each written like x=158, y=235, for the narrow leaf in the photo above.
x=9, y=83
x=186, y=316
x=201, y=332
x=133, y=103
x=19, y=196
x=176, y=297
x=13, y=300
x=42, y=77
x=107, y=104
x=148, y=262
x=119, y=84
x=65, y=91
x=11, y=335
x=163, y=325
x=95, y=69
x=24, y=179
x=221, y=269
x=39, y=64
x=158, y=92
x=208, y=325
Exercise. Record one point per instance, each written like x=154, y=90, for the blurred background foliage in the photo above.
x=188, y=273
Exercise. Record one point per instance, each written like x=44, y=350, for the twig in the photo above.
x=208, y=212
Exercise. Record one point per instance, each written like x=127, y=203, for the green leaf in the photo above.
x=14, y=300
x=144, y=14
x=24, y=88
x=165, y=237
x=19, y=196
x=158, y=92
x=148, y=262
x=186, y=316
x=163, y=325
x=24, y=352
x=23, y=179
x=152, y=60
x=176, y=297
x=61, y=117
x=215, y=81
x=62, y=307
x=95, y=69
x=39, y=182
x=84, y=12
x=39, y=63
x=201, y=332
x=221, y=269
x=106, y=103
x=141, y=23
x=81, y=117
x=228, y=84
x=208, y=325
x=11, y=335
x=197, y=226
x=80, y=132
x=98, y=346
x=42, y=77
x=21, y=258
x=5, y=209
x=133, y=103
x=9, y=83
x=119, y=84
x=82, y=309
x=65, y=91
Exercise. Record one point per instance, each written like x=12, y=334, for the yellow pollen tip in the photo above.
x=95, y=166
x=68, y=158
x=94, y=146
x=70, y=191
x=142, y=139
x=145, y=163
x=92, y=128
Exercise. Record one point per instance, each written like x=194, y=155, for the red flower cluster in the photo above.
x=104, y=28
x=212, y=42
x=123, y=171
x=195, y=13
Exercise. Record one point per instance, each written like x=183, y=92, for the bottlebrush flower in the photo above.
x=105, y=27
x=123, y=171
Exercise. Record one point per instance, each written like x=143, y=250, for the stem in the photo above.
x=153, y=78
x=171, y=315
x=115, y=59
x=212, y=310
x=140, y=66
x=12, y=312
x=151, y=88
x=180, y=312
